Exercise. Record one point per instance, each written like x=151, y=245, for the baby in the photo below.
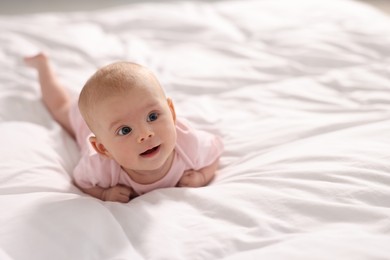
x=130, y=139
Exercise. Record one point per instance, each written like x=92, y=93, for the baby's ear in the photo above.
x=172, y=108
x=99, y=147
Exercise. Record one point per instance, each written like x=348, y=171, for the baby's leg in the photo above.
x=54, y=95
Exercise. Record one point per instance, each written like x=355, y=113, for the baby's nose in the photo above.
x=144, y=136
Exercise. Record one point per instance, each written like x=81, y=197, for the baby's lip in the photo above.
x=150, y=151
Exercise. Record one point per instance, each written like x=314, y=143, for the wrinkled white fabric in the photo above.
x=298, y=90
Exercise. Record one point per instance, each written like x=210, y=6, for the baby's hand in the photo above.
x=117, y=193
x=192, y=178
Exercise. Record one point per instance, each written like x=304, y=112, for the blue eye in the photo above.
x=152, y=117
x=124, y=130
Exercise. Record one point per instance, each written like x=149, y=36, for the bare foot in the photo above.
x=36, y=61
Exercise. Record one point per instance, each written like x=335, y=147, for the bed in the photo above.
x=298, y=90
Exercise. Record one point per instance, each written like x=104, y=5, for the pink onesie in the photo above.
x=194, y=150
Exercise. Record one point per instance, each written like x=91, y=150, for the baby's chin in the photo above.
x=152, y=161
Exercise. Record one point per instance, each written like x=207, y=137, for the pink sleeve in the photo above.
x=82, y=174
x=210, y=149
x=92, y=169
x=198, y=148
x=96, y=170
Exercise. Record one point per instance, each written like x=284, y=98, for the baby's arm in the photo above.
x=199, y=178
x=117, y=193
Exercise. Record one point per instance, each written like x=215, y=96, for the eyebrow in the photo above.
x=115, y=122
x=112, y=124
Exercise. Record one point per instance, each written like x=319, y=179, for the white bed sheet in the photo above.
x=299, y=91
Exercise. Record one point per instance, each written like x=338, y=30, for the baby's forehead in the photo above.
x=142, y=95
x=118, y=79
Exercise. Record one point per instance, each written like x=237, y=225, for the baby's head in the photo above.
x=113, y=80
x=132, y=120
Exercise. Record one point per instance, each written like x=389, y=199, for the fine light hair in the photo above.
x=112, y=80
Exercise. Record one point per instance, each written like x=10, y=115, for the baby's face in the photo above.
x=137, y=128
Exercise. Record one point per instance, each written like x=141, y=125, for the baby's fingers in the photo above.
x=185, y=180
x=125, y=191
x=192, y=179
x=123, y=198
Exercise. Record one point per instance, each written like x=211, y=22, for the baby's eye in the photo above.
x=124, y=130
x=152, y=116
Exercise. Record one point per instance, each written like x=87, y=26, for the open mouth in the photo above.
x=150, y=152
